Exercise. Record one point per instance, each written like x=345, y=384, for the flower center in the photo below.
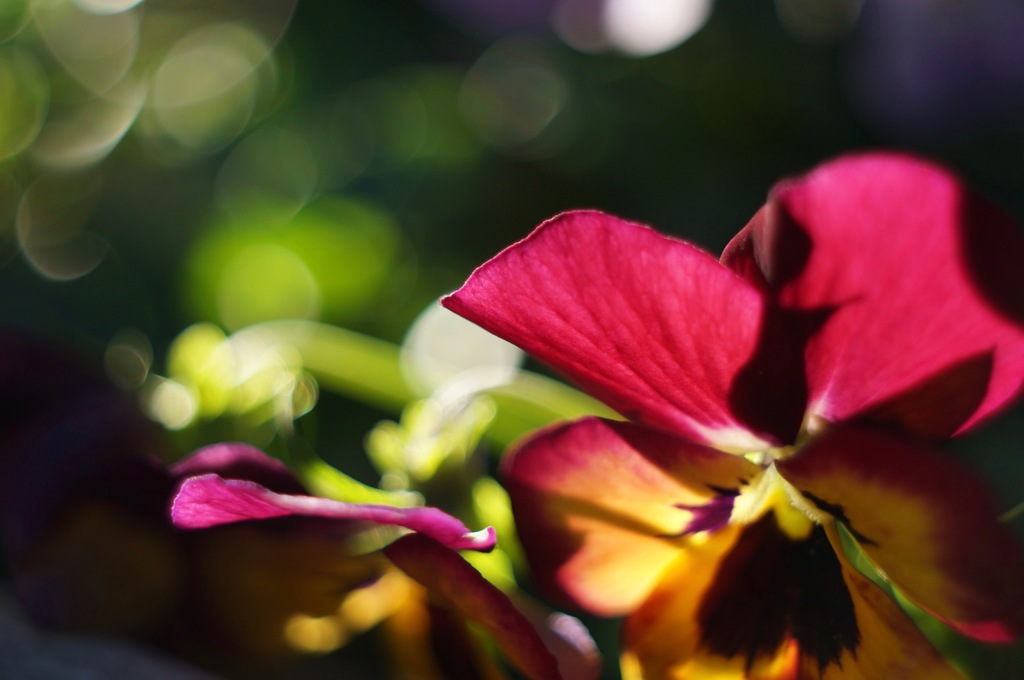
x=768, y=456
x=769, y=492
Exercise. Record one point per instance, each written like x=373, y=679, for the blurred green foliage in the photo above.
x=334, y=260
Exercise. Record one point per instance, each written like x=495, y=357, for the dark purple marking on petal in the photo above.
x=770, y=588
x=710, y=516
x=839, y=513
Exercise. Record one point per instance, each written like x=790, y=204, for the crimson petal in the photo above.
x=654, y=327
x=919, y=283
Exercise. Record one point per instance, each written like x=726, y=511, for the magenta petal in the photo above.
x=915, y=283
x=654, y=327
x=455, y=583
x=233, y=460
x=210, y=500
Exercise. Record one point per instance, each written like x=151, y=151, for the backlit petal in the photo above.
x=655, y=327
x=914, y=283
x=927, y=523
x=210, y=500
x=890, y=645
x=597, y=505
x=664, y=638
x=454, y=583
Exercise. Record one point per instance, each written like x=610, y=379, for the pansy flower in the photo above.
x=371, y=540
x=778, y=398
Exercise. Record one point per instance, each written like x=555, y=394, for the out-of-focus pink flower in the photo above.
x=457, y=592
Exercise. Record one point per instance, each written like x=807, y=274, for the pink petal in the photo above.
x=653, y=326
x=924, y=520
x=603, y=507
x=239, y=461
x=456, y=584
x=915, y=283
x=210, y=500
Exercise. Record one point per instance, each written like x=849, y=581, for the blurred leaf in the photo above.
x=494, y=566
x=430, y=434
x=368, y=370
x=332, y=260
x=448, y=139
x=327, y=481
x=976, y=659
x=13, y=17
x=532, y=400
x=358, y=366
x=492, y=505
x=275, y=164
x=192, y=360
x=24, y=98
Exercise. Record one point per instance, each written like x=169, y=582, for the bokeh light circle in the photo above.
x=24, y=100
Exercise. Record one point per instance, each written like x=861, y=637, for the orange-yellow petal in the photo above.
x=926, y=521
x=752, y=603
x=665, y=639
x=601, y=506
x=890, y=645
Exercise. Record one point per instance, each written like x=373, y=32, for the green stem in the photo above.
x=369, y=370
x=358, y=366
x=1013, y=513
